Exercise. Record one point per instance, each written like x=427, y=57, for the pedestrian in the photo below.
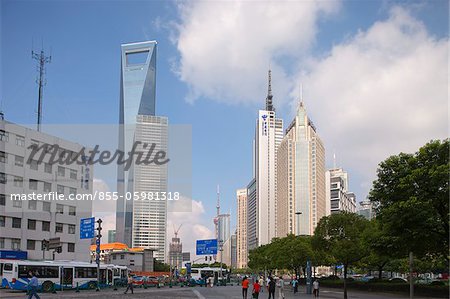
x=271, y=288
x=295, y=284
x=316, y=288
x=129, y=284
x=33, y=286
x=261, y=283
x=280, y=286
x=245, y=283
x=211, y=281
x=256, y=289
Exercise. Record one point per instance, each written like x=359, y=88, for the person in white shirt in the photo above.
x=280, y=287
x=316, y=288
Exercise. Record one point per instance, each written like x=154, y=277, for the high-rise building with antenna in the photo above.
x=262, y=204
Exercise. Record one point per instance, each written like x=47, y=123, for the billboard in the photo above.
x=206, y=247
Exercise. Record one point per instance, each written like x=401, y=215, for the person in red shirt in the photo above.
x=244, y=287
x=256, y=289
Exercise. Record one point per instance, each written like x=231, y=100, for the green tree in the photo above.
x=341, y=235
x=160, y=266
x=411, y=196
x=378, y=248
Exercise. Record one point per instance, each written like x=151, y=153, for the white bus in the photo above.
x=58, y=275
x=202, y=273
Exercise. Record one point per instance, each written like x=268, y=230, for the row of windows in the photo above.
x=34, y=165
x=46, y=206
x=31, y=245
x=31, y=225
x=18, y=181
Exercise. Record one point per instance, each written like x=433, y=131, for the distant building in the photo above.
x=24, y=224
x=134, y=260
x=176, y=252
x=301, y=184
x=233, y=251
x=241, y=230
x=366, y=209
x=338, y=197
x=111, y=236
x=224, y=227
x=186, y=256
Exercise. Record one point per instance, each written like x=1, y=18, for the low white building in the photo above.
x=24, y=224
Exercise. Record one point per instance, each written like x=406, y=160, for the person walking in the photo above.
x=280, y=286
x=245, y=283
x=261, y=283
x=33, y=286
x=256, y=289
x=129, y=284
x=271, y=288
x=316, y=288
x=295, y=284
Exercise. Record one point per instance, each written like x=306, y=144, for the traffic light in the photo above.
x=44, y=244
x=206, y=258
x=59, y=249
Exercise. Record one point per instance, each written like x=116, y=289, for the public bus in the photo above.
x=203, y=273
x=58, y=275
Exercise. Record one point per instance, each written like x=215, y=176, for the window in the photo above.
x=85, y=272
x=18, y=181
x=2, y=221
x=17, y=203
x=71, y=229
x=136, y=58
x=122, y=256
x=32, y=205
x=72, y=210
x=73, y=174
x=73, y=191
x=70, y=247
x=16, y=222
x=31, y=244
x=31, y=224
x=47, y=187
x=43, y=271
x=3, y=157
x=3, y=178
x=2, y=199
x=58, y=228
x=4, y=136
x=60, y=189
x=34, y=165
x=20, y=140
x=33, y=184
x=18, y=161
x=46, y=206
x=45, y=226
x=61, y=171
x=15, y=244
x=59, y=208
x=48, y=168
x=2, y=243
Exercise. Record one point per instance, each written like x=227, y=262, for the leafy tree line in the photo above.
x=410, y=196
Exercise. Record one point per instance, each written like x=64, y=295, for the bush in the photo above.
x=331, y=277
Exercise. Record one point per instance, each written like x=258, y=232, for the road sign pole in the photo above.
x=97, y=241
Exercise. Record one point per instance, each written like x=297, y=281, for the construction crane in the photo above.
x=176, y=230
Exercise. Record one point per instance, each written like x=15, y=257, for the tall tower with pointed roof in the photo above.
x=262, y=202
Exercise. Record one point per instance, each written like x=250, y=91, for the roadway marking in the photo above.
x=199, y=296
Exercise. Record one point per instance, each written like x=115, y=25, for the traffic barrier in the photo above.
x=78, y=289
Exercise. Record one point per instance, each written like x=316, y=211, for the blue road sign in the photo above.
x=87, y=228
x=206, y=247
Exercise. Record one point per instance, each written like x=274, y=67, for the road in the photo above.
x=228, y=292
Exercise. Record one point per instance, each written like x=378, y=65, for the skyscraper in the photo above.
x=301, y=182
x=141, y=223
x=241, y=230
x=337, y=195
x=268, y=136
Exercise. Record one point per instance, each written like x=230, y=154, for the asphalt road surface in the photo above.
x=231, y=292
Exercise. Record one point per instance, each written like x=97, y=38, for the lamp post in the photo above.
x=298, y=213
x=308, y=262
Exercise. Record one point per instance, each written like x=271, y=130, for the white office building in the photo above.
x=268, y=136
x=24, y=224
x=337, y=194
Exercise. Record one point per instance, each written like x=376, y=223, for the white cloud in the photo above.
x=226, y=46
x=383, y=91
x=194, y=225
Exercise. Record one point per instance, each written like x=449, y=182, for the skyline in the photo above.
x=334, y=38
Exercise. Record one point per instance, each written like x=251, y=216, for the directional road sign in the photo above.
x=87, y=228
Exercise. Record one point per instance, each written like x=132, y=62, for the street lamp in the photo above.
x=308, y=262
x=298, y=213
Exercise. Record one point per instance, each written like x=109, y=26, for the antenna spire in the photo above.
x=269, y=104
x=42, y=60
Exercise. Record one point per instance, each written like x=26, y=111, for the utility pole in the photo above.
x=97, y=260
x=221, y=255
x=42, y=60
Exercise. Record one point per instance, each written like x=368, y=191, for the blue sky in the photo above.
x=83, y=77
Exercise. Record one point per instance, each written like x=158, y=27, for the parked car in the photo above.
x=398, y=280
x=138, y=281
